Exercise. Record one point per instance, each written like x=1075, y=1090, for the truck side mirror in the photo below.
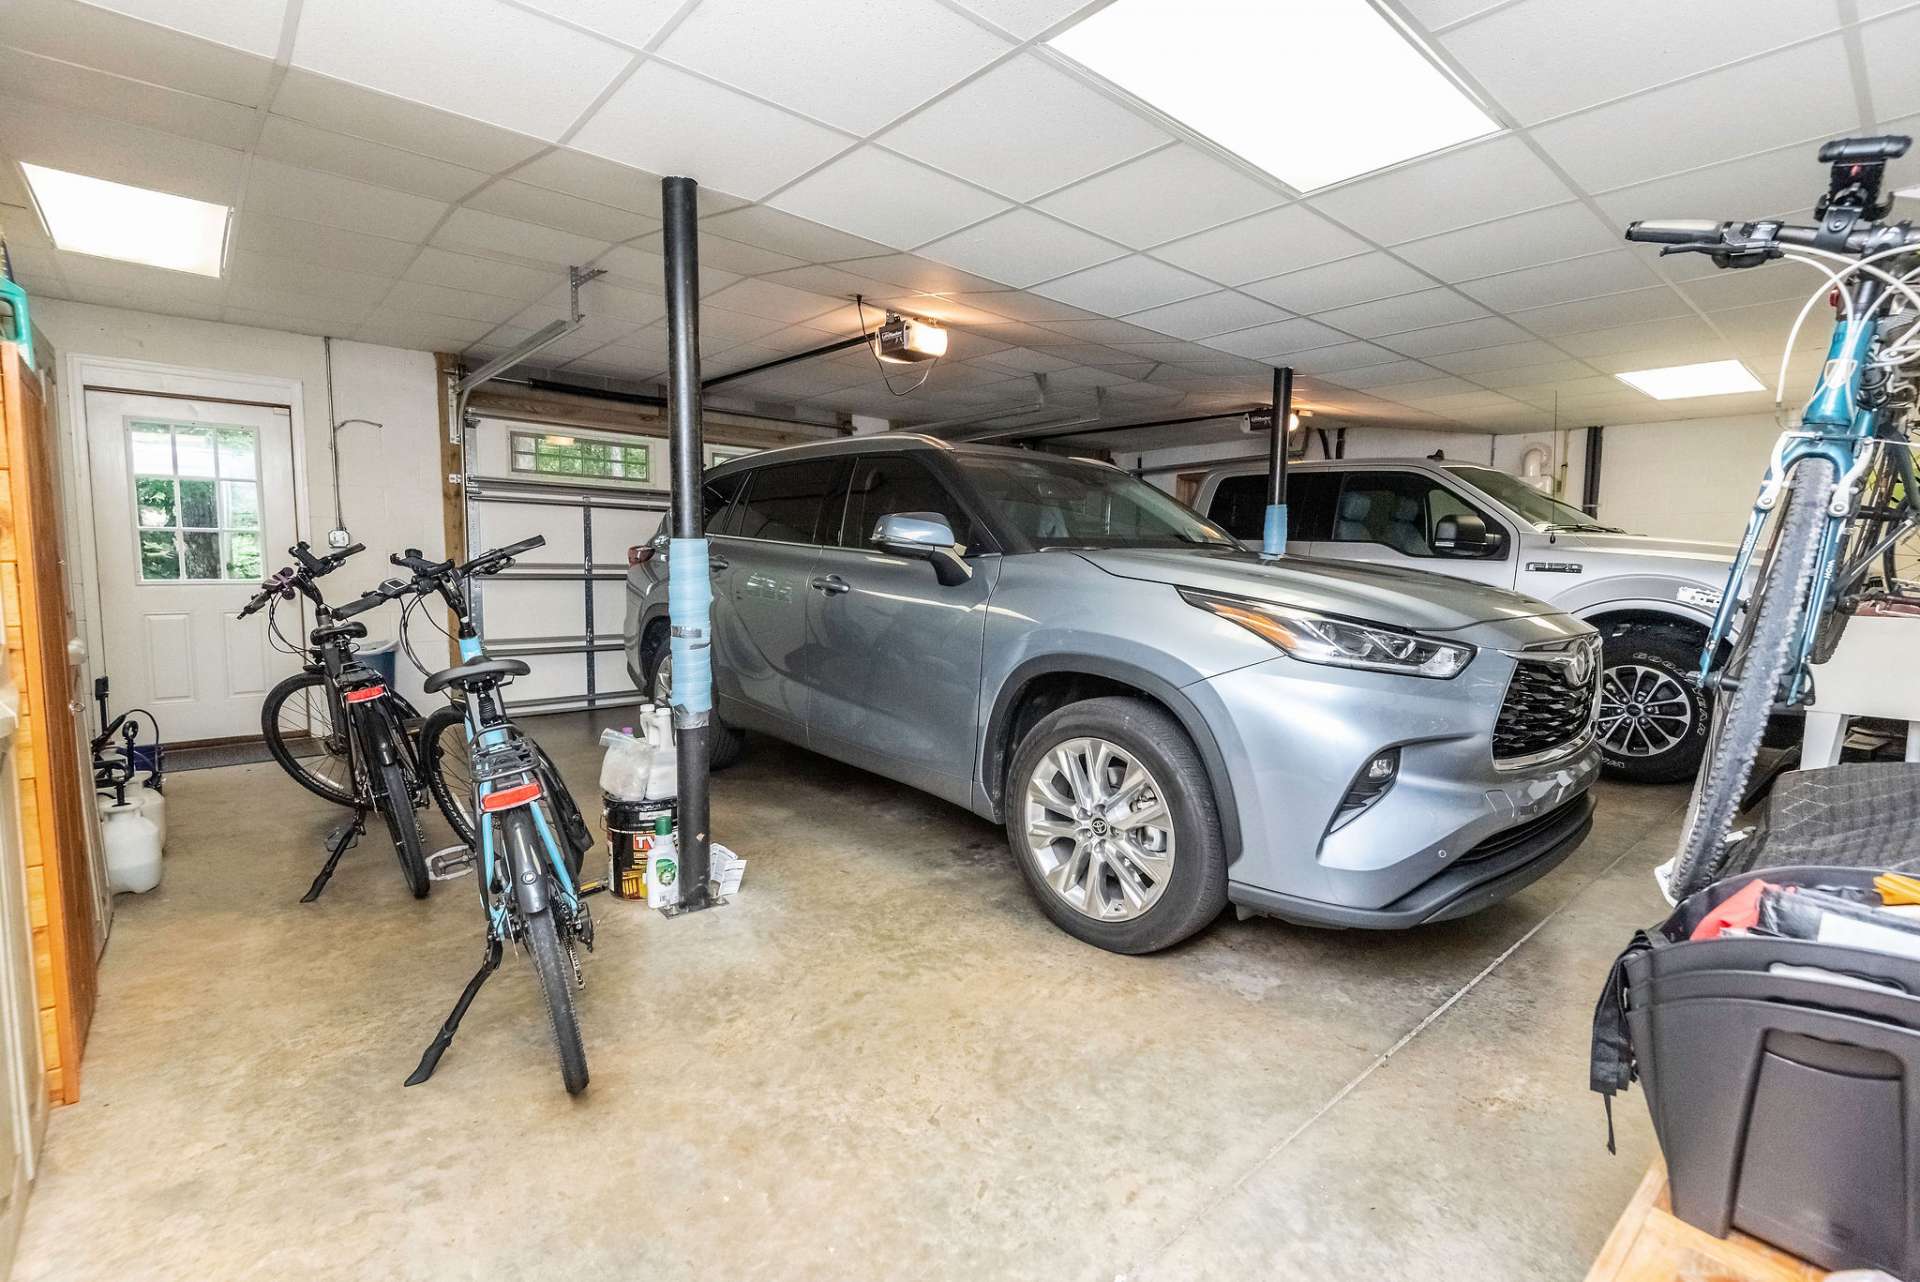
x=924, y=536
x=1464, y=535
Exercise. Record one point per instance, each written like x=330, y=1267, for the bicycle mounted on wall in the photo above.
x=1846, y=473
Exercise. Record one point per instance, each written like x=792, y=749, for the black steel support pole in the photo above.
x=1274, y=535
x=691, y=711
x=1590, y=481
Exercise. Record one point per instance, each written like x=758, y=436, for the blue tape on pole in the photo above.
x=1273, y=536
x=690, y=616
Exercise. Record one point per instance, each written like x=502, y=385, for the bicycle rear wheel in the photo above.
x=297, y=723
x=552, y=967
x=1752, y=676
x=395, y=801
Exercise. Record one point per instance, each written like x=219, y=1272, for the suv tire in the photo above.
x=1139, y=733
x=724, y=743
x=1660, y=663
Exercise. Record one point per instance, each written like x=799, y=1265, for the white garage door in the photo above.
x=562, y=608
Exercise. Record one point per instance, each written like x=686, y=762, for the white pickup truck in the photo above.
x=1652, y=599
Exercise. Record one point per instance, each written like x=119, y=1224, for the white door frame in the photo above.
x=154, y=378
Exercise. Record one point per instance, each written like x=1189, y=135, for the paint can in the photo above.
x=630, y=840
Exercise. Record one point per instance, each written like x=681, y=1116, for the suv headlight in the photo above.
x=1342, y=643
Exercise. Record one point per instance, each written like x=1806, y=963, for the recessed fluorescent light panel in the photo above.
x=1312, y=91
x=112, y=220
x=1677, y=382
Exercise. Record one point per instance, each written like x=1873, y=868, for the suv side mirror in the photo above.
x=923, y=536
x=1464, y=535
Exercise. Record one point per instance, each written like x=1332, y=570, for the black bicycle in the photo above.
x=336, y=726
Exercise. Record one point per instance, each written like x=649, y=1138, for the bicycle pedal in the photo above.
x=445, y=865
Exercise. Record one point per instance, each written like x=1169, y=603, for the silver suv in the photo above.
x=1652, y=599
x=1164, y=723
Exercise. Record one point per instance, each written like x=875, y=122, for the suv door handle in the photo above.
x=717, y=563
x=831, y=584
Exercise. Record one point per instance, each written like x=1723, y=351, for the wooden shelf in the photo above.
x=1649, y=1245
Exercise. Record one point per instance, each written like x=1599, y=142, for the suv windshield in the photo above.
x=1545, y=513
x=1061, y=503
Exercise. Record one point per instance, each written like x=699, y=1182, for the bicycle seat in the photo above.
x=334, y=631
x=478, y=672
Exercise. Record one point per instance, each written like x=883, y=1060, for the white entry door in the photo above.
x=193, y=505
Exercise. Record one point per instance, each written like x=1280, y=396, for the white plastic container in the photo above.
x=628, y=766
x=132, y=847
x=153, y=804
x=663, y=871
x=663, y=767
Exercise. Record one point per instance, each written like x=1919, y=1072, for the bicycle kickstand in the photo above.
x=444, y=1038
x=337, y=843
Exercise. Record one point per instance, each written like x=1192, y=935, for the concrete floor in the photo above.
x=880, y=1061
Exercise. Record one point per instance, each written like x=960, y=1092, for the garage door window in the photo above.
x=547, y=454
x=196, y=491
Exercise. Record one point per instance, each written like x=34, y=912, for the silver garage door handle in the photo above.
x=832, y=584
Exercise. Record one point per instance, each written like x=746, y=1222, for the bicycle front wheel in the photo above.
x=447, y=764
x=1752, y=675
x=395, y=801
x=551, y=964
x=297, y=723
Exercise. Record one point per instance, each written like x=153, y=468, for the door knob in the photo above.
x=832, y=584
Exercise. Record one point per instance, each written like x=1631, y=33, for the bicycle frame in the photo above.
x=1840, y=425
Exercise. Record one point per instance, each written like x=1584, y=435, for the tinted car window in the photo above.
x=716, y=498
x=1395, y=509
x=1240, y=505
x=784, y=501
x=889, y=484
x=1062, y=503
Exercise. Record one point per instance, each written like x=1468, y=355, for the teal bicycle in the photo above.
x=1839, y=494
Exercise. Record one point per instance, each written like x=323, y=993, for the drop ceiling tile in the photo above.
x=482, y=275
x=1170, y=193
x=440, y=301
x=1125, y=285
x=1387, y=375
x=1021, y=247
x=1467, y=185
x=1890, y=71
x=1427, y=388
x=839, y=63
x=286, y=276
x=1564, y=370
x=89, y=36
x=344, y=319
x=20, y=228
x=1022, y=129
x=1018, y=305
x=1784, y=97
x=1603, y=313
x=1676, y=333
x=631, y=22
x=1027, y=360
x=1460, y=337
x=1167, y=351
x=1025, y=18
x=879, y=196
x=727, y=255
x=43, y=134
x=490, y=61
x=251, y=25
x=478, y=232
x=1209, y=314
x=774, y=302
x=923, y=275
x=418, y=331
x=1533, y=351
x=1102, y=330
x=1264, y=245
x=1359, y=279
x=136, y=102
x=1342, y=356
x=645, y=270
x=364, y=113
x=1264, y=342
x=291, y=192
x=1407, y=311
x=738, y=326
x=1560, y=71
x=785, y=233
x=838, y=282
x=1435, y=15
x=668, y=122
x=595, y=179
x=1506, y=244
x=602, y=223
x=306, y=242
x=296, y=143
x=1778, y=282
x=1611, y=272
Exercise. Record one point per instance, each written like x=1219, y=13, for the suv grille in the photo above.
x=1549, y=702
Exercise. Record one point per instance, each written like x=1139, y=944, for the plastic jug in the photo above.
x=153, y=804
x=627, y=768
x=132, y=847
x=663, y=767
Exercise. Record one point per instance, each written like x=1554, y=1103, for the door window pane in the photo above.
x=551, y=454
x=784, y=502
x=1239, y=506
x=1396, y=510
x=715, y=496
x=196, y=498
x=893, y=484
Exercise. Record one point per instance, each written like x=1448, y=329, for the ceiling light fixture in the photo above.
x=106, y=219
x=1678, y=382
x=1209, y=64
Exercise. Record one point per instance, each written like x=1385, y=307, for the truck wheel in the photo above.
x=1652, y=723
x=1112, y=818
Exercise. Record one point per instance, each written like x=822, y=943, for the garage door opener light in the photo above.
x=105, y=219
x=903, y=340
